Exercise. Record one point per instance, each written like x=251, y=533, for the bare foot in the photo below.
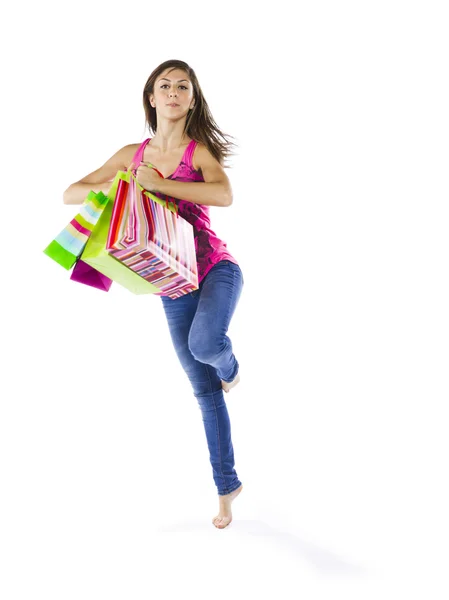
x=229, y=385
x=224, y=516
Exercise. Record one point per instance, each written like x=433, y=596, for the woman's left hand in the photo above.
x=147, y=176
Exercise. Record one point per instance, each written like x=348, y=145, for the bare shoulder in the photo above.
x=125, y=155
x=211, y=169
x=202, y=156
x=129, y=151
x=119, y=161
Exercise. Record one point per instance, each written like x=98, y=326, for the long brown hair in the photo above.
x=200, y=125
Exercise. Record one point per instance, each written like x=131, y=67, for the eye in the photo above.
x=166, y=84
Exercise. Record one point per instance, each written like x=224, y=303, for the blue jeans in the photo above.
x=198, y=322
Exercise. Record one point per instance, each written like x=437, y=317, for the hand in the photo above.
x=147, y=176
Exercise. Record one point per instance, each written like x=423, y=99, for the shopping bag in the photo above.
x=66, y=248
x=151, y=239
x=96, y=255
x=84, y=273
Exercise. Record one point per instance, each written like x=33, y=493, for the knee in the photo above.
x=204, y=348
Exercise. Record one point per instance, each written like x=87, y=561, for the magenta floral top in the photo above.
x=209, y=248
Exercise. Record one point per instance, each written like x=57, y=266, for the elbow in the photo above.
x=65, y=196
x=70, y=196
x=227, y=201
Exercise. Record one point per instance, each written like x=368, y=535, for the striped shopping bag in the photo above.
x=67, y=247
x=148, y=236
x=96, y=255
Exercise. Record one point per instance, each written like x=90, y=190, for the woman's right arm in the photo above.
x=102, y=178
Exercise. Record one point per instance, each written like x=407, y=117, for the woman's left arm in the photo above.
x=214, y=191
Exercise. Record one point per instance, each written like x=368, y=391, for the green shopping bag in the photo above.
x=68, y=245
x=96, y=255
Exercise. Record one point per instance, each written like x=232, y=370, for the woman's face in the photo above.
x=172, y=87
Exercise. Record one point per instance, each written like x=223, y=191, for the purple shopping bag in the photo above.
x=84, y=273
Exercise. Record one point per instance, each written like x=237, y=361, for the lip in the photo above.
x=173, y=104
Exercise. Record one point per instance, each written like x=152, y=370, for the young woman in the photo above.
x=187, y=150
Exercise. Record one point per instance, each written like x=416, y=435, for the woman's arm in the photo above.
x=214, y=191
x=102, y=178
x=77, y=192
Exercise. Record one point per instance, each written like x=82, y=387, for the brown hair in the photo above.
x=200, y=125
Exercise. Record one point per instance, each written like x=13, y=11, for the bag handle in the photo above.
x=137, y=159
x=138, y=156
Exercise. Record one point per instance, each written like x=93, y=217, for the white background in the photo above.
x=340, y=225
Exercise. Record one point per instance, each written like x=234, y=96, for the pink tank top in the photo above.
x=209, y=248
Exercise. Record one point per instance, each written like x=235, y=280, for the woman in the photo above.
x=186, y=150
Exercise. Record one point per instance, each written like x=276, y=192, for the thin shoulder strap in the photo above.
x=137, y=158
x=189, y=153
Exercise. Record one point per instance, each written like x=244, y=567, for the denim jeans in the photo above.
x=198, y=322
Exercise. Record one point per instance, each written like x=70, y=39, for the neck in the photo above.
x=169, y=136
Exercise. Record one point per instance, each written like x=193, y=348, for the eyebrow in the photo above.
x=164, y=78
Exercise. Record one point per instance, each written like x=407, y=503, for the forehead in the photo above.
x=174, y=75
